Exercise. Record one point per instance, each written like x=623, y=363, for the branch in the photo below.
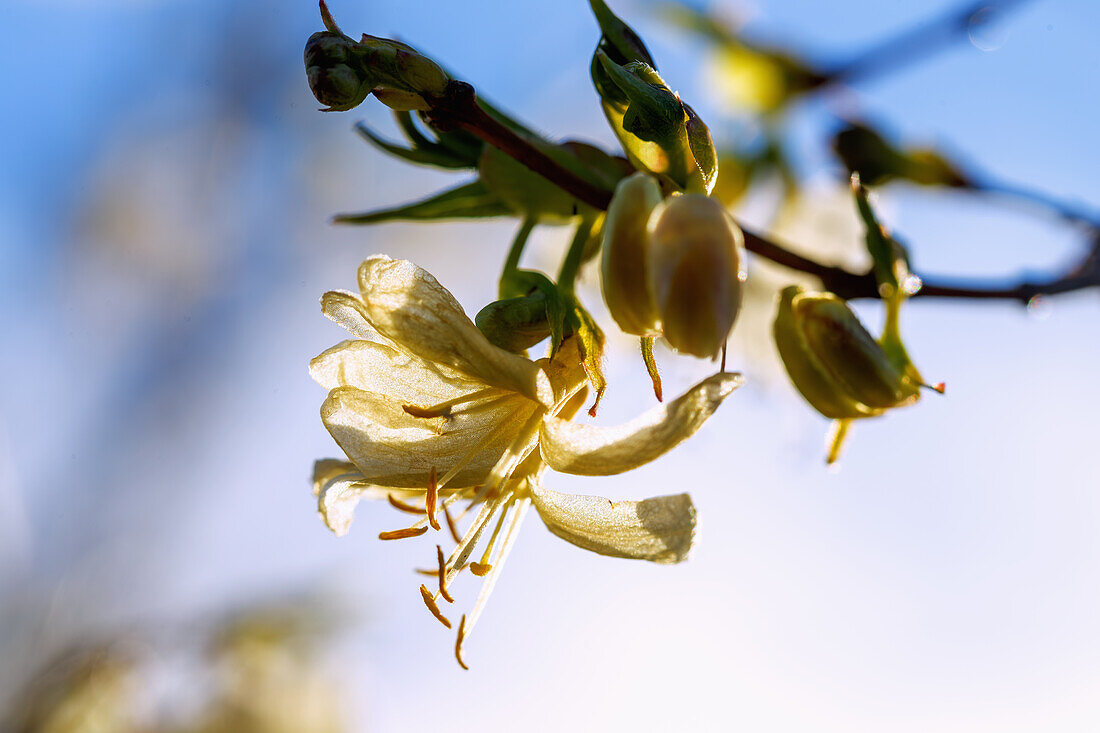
x=915, y=43
x=459, y=108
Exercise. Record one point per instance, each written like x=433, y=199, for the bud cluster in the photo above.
x=672, y=267
x=343, y=72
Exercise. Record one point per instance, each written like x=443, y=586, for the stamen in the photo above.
x=431, y=499
x=451, y=524
x=400, y=534
x=461, y=554
x=483, y=567
x=430, y=603
x=510, y=536
x=402, y=506
x=442, y=576
x=458, y=642
x=443, y=409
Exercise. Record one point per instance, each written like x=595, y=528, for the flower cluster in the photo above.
x=435, y=419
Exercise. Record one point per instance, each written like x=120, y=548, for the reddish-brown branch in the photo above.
x=459, y=108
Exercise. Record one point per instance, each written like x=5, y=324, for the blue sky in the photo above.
x=164, y=196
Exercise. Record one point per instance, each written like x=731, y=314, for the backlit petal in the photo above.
x=601, y=451
x=660, y=529
x=407, y=305
x=393, y=448
x=383, y=369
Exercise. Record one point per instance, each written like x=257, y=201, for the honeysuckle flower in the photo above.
x=429, y=413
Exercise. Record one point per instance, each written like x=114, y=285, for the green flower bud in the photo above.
x=833, y=361
x=809, y=376
x=658, y=132
x=336, y=77
x=695, y=271
x=856, y=361
x=623, y=264
x=342, y=72
x=515, y=324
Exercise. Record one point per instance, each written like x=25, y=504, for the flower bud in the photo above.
x=809, y=376
x=851, y=354
x=833, y=361
x=695, y=272
x=342, y=72
x=515, y=324
x=623, y=263
x=336, y=77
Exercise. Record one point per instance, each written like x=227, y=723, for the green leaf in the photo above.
x=468, y=201
x=430, y=153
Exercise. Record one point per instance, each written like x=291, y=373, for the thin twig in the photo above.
x=459, y=108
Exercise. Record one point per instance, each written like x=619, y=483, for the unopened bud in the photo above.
x=336, y=77
x=695, y=272
x=833, y=361
x=342, y=72
x=844, y=347
x=515, y=324
x=623, y=264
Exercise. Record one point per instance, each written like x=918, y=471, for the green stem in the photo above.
x=571, y=265
x=512, y=263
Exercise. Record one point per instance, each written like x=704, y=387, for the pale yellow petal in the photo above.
x=347, y=310
x=393, y=448
x=407, y=305
x=385, y=370
x=339, y=494
x=327, y=469
x=660, y=529
x=601, y=451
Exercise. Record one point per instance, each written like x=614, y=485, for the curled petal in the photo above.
x=407, y=305
x=347, y=310
x=390, y=447
x=379, y=368
x=590, y=450
x=660, y=529
x=339, y=493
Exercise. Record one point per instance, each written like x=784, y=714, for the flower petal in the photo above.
x=393, y=448
x=660, y=529
x=339, y=491
x=383, y=369
x=347, y=310
x=590, y=450
x=407, y=305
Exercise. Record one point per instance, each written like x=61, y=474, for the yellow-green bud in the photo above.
x=695, y=270
x=844, y=347
x=833, y=361
x=809, y=376
x=623, y=263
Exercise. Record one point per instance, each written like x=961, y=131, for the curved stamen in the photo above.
x=400, y=534
x=429, y=601
x=430, y=500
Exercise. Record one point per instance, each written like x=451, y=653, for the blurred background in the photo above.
x=165, y=190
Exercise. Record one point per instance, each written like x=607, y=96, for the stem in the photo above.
x=459, y=107
x=512, y=263
x=571, y=265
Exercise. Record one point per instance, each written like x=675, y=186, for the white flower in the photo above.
x=430, y=413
